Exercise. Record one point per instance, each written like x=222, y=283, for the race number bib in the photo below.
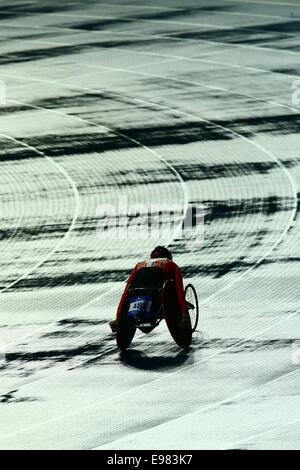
x=140, y=306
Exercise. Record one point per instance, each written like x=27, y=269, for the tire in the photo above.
x=191, y=296
x=125, y=328
x=179, y=327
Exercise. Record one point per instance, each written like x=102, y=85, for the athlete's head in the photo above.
x=161, y=252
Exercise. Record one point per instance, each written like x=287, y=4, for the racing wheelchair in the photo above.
x=149, y=300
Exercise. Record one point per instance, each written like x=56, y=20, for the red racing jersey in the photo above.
x=170, y=270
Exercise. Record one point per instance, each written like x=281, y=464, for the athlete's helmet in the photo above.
x=161, y=252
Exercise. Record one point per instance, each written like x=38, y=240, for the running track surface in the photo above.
x=161, y=103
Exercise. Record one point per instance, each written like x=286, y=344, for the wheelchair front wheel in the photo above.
x=191, y=299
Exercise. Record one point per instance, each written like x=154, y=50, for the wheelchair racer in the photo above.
x=161, y=258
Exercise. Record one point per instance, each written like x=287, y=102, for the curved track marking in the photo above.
x=75, y=215
x=174, y=171
x=207, y=25
x=92, y=405
x=257, y=2
x=159, y=36
x=294, y=189
x=261, y=434
x=189, y=82
x=234, y=133
x=184, y=9
x=18, y=225
x=199, y=59
x=205, y=408
x=201, y=119
x=243, y=273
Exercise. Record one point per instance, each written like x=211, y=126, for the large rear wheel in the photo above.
x=178, y=324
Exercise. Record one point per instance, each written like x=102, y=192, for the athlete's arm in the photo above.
x=126, y=289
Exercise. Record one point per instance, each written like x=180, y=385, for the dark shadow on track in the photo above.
x=140, y=360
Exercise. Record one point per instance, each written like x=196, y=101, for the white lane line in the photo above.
x=122, y=6
x=167, y=22
x=41, y=28
x=91, y=44
x=128, y=19
x=198, y=59
x=190, y=82
x=179, y=225
x=98, y=403
x=257, y=145
x=74, y=218
x=153, y=381
x=165, y=108
x=148, y=149
x=271, y=156
x=164, y=36
x=255, y=15
x=183, y=58
x=199, y=411
x=160, y=379
x=184, y=10
x=185, y=81
x=261, y=434
x=130, y=67
x=223, y=89
x=22, y=41
x=179, y=57
x=153, y=152
x=274, y=3
x=264, y=151
x=11, y=181
x=128, y=138
x=174, y=56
